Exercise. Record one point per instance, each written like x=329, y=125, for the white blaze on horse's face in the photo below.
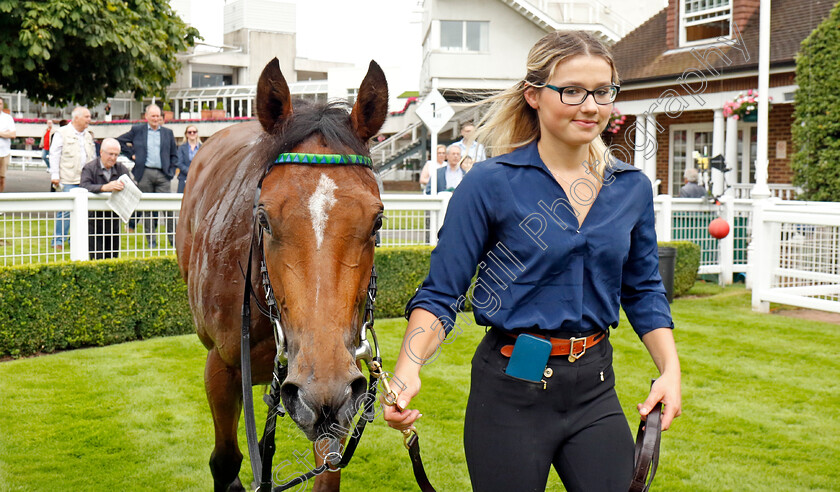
x=320, y=203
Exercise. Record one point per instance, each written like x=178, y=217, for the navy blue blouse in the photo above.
x=537, y=270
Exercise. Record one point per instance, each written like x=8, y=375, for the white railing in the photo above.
x=23, y=158
x=41, y=227
x=396, y=143
x=797, y=255
x=779, y=190
x=688, y=219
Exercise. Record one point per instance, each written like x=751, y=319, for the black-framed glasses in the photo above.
x=191, y=132
x=574, y=95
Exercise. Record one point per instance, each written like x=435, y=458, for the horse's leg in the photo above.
x=224, y=392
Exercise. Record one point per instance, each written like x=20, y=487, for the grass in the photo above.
x=760, y=411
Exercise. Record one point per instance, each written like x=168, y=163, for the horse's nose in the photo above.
x=316, y=410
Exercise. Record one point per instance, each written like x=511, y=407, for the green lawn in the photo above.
x=760, y=400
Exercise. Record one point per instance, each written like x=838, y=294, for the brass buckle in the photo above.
x=407, y=433
x=572, y=355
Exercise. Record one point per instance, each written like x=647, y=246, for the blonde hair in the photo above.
x=510, y=123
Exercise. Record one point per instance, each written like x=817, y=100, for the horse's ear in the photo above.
x=371, y=106
x=274, y=102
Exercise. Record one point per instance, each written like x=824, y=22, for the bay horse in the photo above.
x=319, y=223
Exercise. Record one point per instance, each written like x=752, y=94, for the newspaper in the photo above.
x=125, y=201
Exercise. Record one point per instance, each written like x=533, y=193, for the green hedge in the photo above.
x=54, y=306
x=400, y=271
x=688, y=263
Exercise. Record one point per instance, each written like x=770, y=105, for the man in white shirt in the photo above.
x=72, y=146
x=7, y=133
x=432, y=166
x=475, y=150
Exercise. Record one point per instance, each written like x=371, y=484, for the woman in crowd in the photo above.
x=186, y=152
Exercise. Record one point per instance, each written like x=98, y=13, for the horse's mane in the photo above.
x=330, y=120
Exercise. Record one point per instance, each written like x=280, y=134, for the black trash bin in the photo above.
x=667, y=266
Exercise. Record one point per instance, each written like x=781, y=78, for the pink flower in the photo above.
x=736, y=117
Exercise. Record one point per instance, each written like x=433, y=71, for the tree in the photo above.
x=816, y=127
x=84, y=51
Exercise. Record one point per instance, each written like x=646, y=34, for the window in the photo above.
x=464, y=35
x=202, y=79
x=705, y=20
x=685, y=140
x=352, y=94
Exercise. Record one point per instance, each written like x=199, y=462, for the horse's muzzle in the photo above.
x=326, y=413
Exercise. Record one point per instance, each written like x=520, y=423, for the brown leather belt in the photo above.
x=573, y=347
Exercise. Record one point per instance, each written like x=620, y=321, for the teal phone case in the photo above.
x=529, y=357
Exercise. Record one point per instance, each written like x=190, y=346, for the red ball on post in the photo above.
x=719, y=228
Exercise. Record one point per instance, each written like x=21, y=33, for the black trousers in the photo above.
x=103, y=235
x=515, y=430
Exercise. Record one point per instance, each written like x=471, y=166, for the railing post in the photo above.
x=78, y=225
x=726, y=251
x=664, y=221
x=759, y=265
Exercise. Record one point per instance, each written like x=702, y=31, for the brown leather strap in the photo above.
x=562, y=346
x=647, y=450
x=413, y=445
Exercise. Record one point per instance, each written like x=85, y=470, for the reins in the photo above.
x=261, y=461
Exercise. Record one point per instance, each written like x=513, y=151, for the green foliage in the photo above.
x=84, y=51
x=167, y=107
x=220, y=105
x=54, y=306
x=816, y=126
x=400, y=271
x=688, y=263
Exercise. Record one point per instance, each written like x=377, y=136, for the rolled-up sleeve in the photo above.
x=642, y=293
x=461, y=242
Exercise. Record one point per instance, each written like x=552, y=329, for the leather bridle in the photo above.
x=261, y=461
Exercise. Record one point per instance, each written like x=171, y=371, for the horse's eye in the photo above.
x=377, y=225
x=262, y=217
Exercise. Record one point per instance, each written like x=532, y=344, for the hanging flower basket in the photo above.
x=616, y=120
x=744, y=107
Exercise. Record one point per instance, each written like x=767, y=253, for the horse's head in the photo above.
x=319, y=223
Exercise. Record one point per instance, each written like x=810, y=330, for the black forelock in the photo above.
x=331, y=121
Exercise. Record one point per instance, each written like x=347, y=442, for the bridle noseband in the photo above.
x=261, y=462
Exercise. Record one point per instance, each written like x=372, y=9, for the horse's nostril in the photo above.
x=358, y=388
x=289, y=392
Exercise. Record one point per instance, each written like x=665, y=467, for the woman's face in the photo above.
x=192, y=133
x=567, y=124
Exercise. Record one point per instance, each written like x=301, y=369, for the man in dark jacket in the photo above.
x=98, y=175
x=155, y=157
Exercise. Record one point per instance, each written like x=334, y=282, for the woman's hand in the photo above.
x=667, y=390
x=663, y=351
x=423, y=336
x=398, y=415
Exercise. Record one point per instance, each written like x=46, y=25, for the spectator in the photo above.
x=45, y=144
x=7, y=133
x=466, y=163
x=186, y=152
x=449, y=177
x=155, y=157
x=70, y=148
x=474, y=149
x=692, y=188
x=433, y=164
x=103, y=174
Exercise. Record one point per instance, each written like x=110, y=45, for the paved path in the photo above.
x=18, y=181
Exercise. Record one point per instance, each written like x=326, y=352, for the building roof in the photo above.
x=643, y=54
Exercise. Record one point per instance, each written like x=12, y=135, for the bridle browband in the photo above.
x=261, y=462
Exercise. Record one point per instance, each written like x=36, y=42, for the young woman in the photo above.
x=186, y=152
x=562, y=235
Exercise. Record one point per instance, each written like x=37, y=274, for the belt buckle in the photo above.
x=572, y=355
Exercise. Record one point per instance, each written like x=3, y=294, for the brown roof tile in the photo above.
x=643, y=53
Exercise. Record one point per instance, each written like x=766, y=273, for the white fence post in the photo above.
x=759, y=264
x=664, y=221
x=726, y=251
x=79, y=225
